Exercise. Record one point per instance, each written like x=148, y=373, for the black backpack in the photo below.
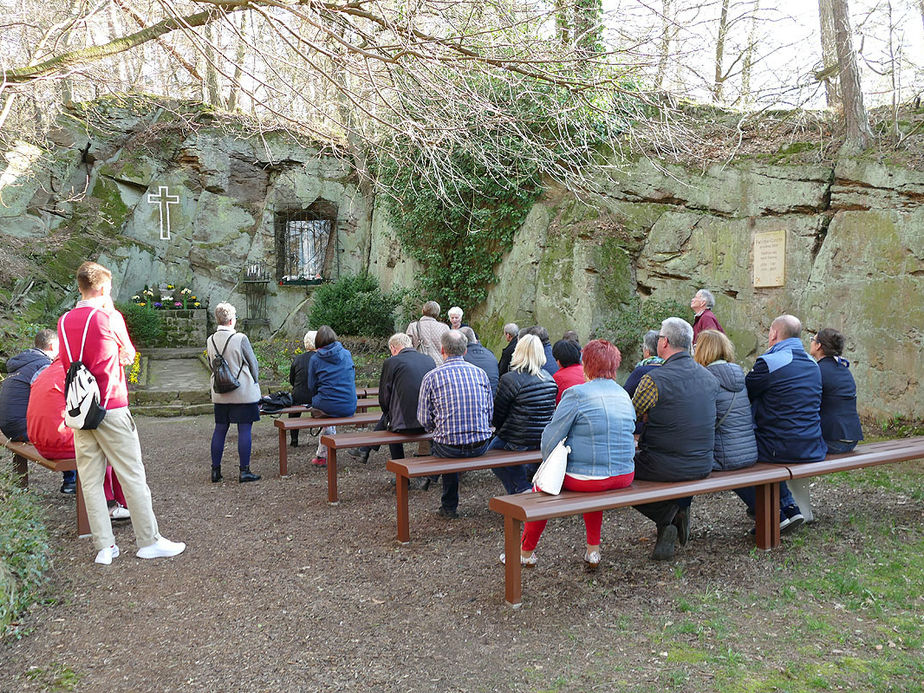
x=223, y=380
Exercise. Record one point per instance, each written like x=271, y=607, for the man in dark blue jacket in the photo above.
x=14, y=393
x=785, y=392
x=479, y=355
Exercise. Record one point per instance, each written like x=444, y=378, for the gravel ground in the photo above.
x=277, y=591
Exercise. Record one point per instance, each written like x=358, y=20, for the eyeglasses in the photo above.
x=661, y=336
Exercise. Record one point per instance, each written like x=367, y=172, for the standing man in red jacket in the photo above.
x=702, y=304
x=94, y=332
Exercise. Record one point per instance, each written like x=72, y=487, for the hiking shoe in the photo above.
x=664, y=548
x=790, y=518
x=448, y=514
x=361, y=454
x=525, y=562
x=319, y=461
x=162, y=548
x=682, y=523
x=106, y=554
x=591, y=560
x=69, y=488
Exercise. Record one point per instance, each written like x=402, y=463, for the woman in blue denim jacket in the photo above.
x=596, y=420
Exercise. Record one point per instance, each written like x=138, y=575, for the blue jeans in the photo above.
x=518, y=478
x=837, y=447
x=749, y=496
x=450, y=498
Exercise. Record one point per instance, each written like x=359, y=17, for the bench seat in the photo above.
x=358, y=439
x=413, y=467
x=283, y=425
x=540, y=506
x=362, y=405
x=24, y=452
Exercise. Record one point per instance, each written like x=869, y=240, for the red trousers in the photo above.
x=592, y=521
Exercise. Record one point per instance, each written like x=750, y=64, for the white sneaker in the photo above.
x=118, y=512
x=162, y=548
x=106, y=554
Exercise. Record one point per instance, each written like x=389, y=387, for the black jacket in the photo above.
x=504, y=364
x=481, y=356
x=298, y=379
x=839, y=419
x=523, y=406
x=399, y=388
x=14, y=393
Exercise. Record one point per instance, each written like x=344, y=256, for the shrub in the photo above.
x=144, y=325
x=23, y=548
x=354, y=305
x=627, y=328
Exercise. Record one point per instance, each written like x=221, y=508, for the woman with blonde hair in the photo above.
x=523, y=405
x=735, y=445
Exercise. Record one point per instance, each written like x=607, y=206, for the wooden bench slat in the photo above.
x=428, y=466
x=362, y=406
x=902, y=450
x=365, y=419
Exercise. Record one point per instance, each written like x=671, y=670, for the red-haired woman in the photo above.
x=597, y=420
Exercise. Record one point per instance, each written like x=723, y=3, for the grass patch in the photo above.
x=23, y=549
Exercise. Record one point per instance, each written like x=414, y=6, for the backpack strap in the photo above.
x=83, y=339
x=222, y=353
x=727, y=411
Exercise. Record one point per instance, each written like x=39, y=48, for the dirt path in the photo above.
x=279, y=592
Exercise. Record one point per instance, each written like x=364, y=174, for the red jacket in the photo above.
x=45, y=415
x=105, y=338
x=566, y=377
x=705, y=321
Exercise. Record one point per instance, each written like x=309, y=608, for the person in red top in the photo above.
x=94, y=333
x=702, y=304
x=54, y=440
x=570, y=372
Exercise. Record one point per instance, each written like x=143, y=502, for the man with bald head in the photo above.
x=785, y=392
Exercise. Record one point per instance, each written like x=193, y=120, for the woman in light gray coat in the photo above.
x=241, y=405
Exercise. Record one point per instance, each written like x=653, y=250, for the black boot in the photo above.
x=664, y=548
x=247, y=475
x=293, y=438
x=216, y=474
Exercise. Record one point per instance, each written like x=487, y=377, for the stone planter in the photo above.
x=184, y=327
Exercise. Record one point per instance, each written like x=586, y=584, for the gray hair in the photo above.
x=45, y=339
x=787, y=326
x=455, y=310
x=707, y=296
x=529, y=355
x=469, y=334
x=309, y=339
x=678, y=332
x=651, y=341
x=454, y=343
x=399, y=340
x=431, y=309
x=225, y=313
x=511, y=329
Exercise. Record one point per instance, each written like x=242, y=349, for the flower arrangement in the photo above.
x=135, y=370
x=166, y=297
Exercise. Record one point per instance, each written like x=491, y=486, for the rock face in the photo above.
x=854, y=237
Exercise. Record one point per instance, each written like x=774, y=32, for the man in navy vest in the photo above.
x=676, y=402
x=785, y=392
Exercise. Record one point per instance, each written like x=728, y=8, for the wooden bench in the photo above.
x=23, y=452
x=412, y=467
x=283, y=425
x=343, y=441
x=362, y=406
x=765, y=477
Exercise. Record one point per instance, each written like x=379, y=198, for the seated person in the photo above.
x=840, y=423
x=481, y=356
x=567, y=354
x=298, y=379
x=54, y=440
x=543, y=334
x=595, y=420
x=14, y=393
x=332, y=382
x=524, y=404
x=650, y=359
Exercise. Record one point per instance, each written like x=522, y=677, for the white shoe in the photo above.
x=162, y=548
x=117, y=512
x=106, y=554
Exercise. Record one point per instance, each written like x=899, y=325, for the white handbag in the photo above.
x=551, y=472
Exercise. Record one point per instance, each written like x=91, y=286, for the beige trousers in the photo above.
x=116, y=440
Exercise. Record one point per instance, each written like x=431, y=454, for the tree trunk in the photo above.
x=829, y=69
x=747, y=64
x=563, y=21
x=859, y=134
x=720, y=53
x=667, y=31
x=588, y=26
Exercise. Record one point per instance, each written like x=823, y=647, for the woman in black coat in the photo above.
x=524, y=404
x=840, y=423
x=298, y=379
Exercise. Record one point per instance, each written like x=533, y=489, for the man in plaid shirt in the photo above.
x=456, y=405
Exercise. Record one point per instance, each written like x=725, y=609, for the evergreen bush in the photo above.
x=354, y=305
x=144, y=324
x=24, y=553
